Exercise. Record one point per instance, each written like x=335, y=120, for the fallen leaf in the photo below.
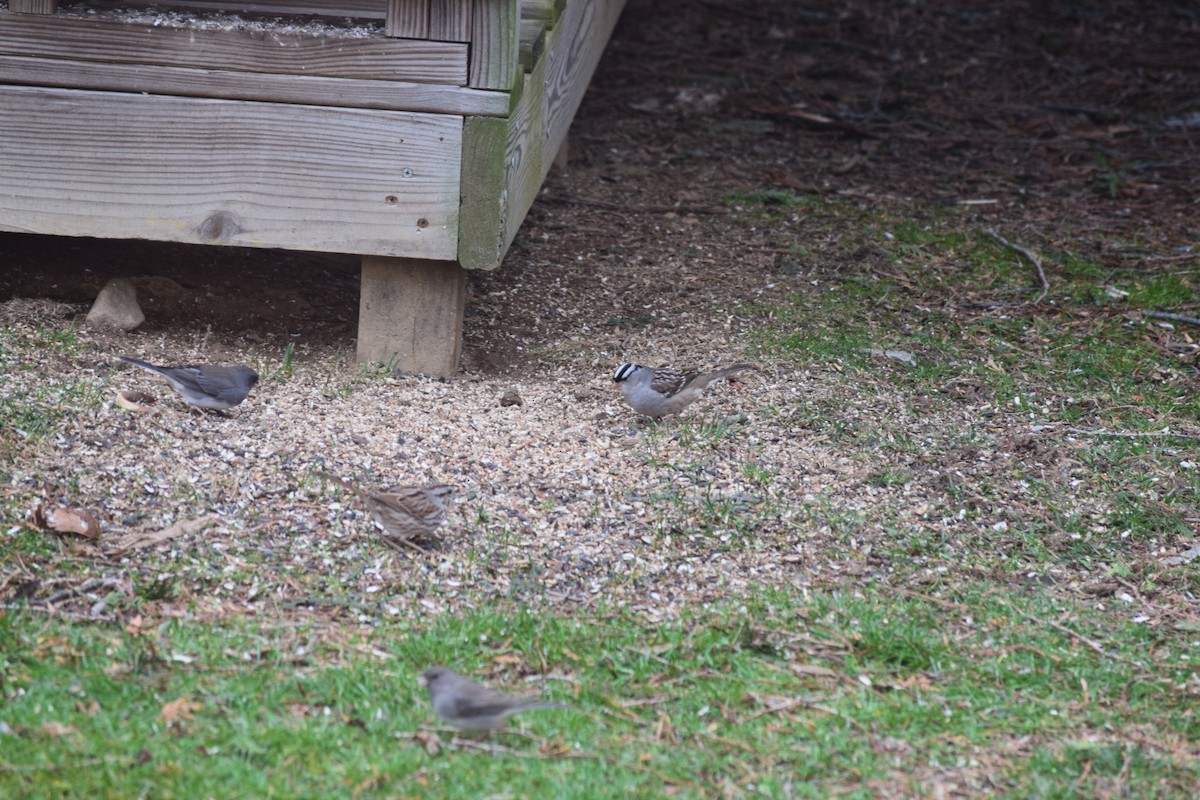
x=898, y=355
x=177, y=710
x=67, y=520
x=135, y=401
x=431, y=742
x=57, y=729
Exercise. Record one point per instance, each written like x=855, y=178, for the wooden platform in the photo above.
x=413, y=132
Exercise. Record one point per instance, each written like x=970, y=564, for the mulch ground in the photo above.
x=1068, y=126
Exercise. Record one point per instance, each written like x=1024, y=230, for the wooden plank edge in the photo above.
x=339, y=55
x=481, y=214
x=523, y=164
x=33, y=6
x=224, y=85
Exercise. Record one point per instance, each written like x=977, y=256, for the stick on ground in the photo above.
x=1033, y=259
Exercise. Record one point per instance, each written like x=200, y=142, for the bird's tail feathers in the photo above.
x=331, y=477
x=727, y=372
x=137, y=362
x=542, y=704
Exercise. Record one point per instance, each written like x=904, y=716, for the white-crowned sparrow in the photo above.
x=206, y=387
x=469, y=706
x=655, y=392
x=405, y=513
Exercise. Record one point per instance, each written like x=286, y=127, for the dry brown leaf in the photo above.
x=507, y=658
x=58, y=729
x=431, y=742
x=67, y=520
x=177, y=710
x=139, y=541
x=135, y=401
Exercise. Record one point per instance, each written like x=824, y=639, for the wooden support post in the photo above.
x=562, y=157
x=410, y=314
x=33, y=6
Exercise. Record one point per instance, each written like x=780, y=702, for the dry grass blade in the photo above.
x=139, y=541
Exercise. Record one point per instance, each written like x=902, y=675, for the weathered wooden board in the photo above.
x=33, y=6
x=536, y=130
x=573, y=52
x=544, y=11
x=532, y=43
x=222, y=84
x=355, y=9
x=229, y=172
x=408, y=18
x=321, y=52
x=450, y=20
x=494, y=39
x=481, y=227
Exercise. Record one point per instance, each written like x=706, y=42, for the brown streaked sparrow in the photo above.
x=405, y=513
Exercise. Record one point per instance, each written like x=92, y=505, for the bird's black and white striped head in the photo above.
x=624, y=371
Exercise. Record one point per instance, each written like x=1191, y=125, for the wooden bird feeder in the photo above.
x=415, y=133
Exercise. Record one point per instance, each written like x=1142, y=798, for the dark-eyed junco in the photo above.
x=404, y=512
x=469, y=706
x=206, y=387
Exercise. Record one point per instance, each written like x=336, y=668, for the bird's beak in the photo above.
x=421, y=681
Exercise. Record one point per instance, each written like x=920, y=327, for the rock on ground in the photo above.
x=116, y=306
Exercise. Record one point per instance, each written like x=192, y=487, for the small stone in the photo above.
x=116, y=307
x=511, y=398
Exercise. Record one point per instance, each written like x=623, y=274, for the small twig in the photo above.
x=1172, y=317
x=57, y=612
x=796, y=703
x=1033, y=649
x=1033, y=259
x=83, y=588
x=85, y=763
x=1092, y=643
x=1135, y=434
x=683, y=208
x=949, y=605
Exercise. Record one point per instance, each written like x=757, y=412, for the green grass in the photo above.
x=793, y=696
x=40, y=399
x=976, y=490
x=1078, y=370
x=770, y=197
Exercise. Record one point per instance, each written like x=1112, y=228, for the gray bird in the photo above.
x=206, y=387
x=469, y=706
x=655, y=392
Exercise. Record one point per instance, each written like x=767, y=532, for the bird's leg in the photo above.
x=399, y=544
